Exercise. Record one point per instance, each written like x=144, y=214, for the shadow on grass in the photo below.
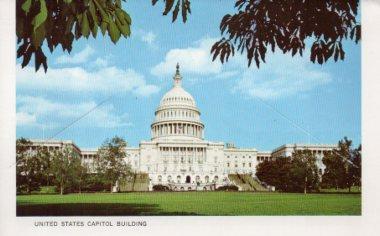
x=94, y=209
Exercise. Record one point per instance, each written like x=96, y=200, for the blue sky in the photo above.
x=261, y=108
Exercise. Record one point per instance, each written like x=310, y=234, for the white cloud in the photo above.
x=24, y=118
x=100, y=62
x=77, y=58
x=281, y=76
x=39, y=111
x=148, y=37
x=107, y=80
x=193, y=60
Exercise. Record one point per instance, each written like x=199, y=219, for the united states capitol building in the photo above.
x=179, y=156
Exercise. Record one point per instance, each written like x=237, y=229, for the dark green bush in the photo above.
x=161, y=188
x=228, y=188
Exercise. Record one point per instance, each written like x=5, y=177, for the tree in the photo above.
x=28, y=167
x=275, y=172
x=287, y=25
x=259, y=24
x=304, y=171
x=295, y=174
x=355, y=168
x=81, y=174
x=341, y=170
x=110, y=164
x=64, y=166
x=44, y=156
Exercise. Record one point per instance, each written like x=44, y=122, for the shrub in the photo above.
x=160, y=187
x=228, y=188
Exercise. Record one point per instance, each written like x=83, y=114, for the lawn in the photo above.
x=188, y=203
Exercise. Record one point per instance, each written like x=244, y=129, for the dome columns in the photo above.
x=177, y=129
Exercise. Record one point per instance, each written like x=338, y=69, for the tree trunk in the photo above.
x=61, y=187
x=111, y=188
x=304, y=190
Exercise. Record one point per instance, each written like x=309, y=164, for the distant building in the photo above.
x=178, y=155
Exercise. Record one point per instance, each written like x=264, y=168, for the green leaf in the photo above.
x=85, y=27
x=127, y=18
x=113, y=32
x=105, y=17
x=124, y=28
x=67, y=1
x=41, y=16
x=26, y=6
x=103, y=27
x=93, y=13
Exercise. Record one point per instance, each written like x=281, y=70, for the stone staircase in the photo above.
x=139, y=183
x=246, y=182
x=254, y=183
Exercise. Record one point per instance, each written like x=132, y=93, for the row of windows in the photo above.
x=89, y=156
x=175, y=113
x=187, y=179
x=33, y=148
x=236, y=165
x=178, y=99
x=181, y=149
x=237, y=156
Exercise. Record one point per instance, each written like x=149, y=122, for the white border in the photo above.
x=367, y=224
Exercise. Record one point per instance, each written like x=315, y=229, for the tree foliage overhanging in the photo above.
x=257, y=26
x=286, y=25
x=60, y=22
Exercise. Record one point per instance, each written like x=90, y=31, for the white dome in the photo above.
x=177, y=96
x=177, y=115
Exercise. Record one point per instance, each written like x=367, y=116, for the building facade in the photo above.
x=180, y=157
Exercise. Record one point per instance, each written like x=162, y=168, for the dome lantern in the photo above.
x=177, y=77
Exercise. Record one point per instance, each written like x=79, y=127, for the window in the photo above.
x=228, y=164
x=236, y=165
x=243, y=164
x=207, y=179
x=250, y=164
x=159, y=178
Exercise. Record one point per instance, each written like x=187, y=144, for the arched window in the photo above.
x=159, y=178
x=178, y=179
x=169, y=178
x=216, y=178
x=207, y=179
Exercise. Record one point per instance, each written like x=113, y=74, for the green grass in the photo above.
x=354, y=189
x=188, y=203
